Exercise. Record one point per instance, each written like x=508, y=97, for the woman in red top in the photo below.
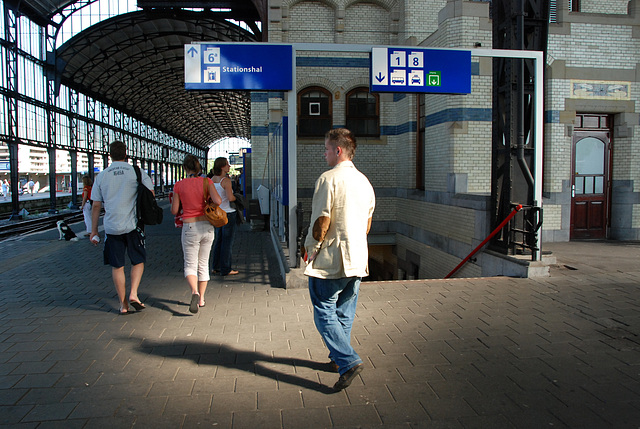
x=197, y=232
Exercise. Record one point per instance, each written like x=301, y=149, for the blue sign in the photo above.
x=237, y=66
x=420, y=70
x=5, y=166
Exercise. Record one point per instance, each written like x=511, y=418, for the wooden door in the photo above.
x=590, y=187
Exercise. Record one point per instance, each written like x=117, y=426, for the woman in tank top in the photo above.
x=223, y=243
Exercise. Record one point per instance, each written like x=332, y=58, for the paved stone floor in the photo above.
x=561, y=351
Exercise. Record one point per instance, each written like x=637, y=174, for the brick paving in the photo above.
x=561, y=351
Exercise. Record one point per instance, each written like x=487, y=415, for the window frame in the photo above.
x=304, y=115
x=362, y=116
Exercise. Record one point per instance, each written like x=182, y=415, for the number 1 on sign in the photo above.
x=398, y=59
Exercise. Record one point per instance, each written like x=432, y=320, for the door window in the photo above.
x=590, y=166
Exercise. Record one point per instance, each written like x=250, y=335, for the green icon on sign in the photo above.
x=433, y=78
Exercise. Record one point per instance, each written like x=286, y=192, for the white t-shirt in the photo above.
x=117, y=188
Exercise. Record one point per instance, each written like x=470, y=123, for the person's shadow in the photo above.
x=229, y=357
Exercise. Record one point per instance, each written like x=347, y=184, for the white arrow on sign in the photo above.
x=192, y=71
x=379, y=69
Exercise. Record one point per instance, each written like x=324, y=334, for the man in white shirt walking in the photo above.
x=336, y=250
x=116, y=188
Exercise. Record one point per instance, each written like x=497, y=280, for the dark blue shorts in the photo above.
x=132, y=243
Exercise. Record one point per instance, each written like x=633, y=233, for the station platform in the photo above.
x=561, y=351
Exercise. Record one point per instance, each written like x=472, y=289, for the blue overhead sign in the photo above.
x=238, y=66
x=420, y=70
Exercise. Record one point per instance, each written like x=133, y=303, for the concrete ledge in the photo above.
x=498, y=264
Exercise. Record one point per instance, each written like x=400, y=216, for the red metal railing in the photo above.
x=486, y=240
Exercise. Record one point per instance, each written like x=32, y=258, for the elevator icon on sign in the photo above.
x=212, y=75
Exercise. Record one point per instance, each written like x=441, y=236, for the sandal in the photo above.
x=193, y=306
x=137, y=305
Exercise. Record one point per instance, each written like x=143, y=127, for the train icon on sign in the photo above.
x=398, y=77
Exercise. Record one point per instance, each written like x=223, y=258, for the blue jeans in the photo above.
x=223, y=244
x=334, y=308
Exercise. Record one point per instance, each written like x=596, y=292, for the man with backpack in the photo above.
x=116, y=189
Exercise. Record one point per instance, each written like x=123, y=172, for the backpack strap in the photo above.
x=138, y=175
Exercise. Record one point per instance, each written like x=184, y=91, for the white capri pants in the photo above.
x=197, y=238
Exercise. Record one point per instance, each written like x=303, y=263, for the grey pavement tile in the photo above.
x=355, y=416
x=410, y=392
x=38, y=380
x=220, y=420
x=279, y=400
x=488, y=404
x=420, y=373
x=11, y=396
x=70, y=366
x=402, y=412
x=234, y=402
x=214, y=385
x=96, y=408
x=41, y=412
x=365, y=395
x=49, y=395
x=77, y=380
x=257, y=419
x=63, y=424
x=317, y=399
x=377, y=376
x=482, y=422
x=256, y=383
x=444, y=408
x=29, y=367
x=30, y=356
x=196, y=404
x=308, y=418
x=176, y=388
x=13, y=414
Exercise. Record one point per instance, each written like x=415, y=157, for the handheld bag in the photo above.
x=214, y=214
x=149, y=213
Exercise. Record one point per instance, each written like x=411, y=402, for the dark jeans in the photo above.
x=223, y=245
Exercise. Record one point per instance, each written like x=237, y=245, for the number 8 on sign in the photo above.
x=416, y=60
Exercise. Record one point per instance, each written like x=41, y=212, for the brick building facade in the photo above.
x=423, y=226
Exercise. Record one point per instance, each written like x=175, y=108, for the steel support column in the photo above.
x=73, y=135
x=518, y=25
x=11, y=68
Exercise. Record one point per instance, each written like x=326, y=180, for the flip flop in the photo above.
x=137, y=305
x=123, y=312
x=193, y=306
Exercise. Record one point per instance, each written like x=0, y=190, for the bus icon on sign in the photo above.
x=433, y=78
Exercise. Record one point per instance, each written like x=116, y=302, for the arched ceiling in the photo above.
x=135, y=63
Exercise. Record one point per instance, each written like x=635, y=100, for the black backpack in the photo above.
x=149, y=213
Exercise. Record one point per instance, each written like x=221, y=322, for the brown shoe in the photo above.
x=333, y=367
x=345, y=379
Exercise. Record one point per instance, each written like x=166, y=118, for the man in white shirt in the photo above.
x=336, y=250
x=116, y=188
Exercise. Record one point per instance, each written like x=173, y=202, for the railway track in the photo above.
x=20, y=228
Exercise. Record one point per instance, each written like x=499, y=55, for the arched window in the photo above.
x=363, y=113
x=314, y=112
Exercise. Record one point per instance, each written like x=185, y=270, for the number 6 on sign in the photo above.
x=212, y=56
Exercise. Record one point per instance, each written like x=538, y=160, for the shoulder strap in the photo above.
x=138, y=175
x=205, y=188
